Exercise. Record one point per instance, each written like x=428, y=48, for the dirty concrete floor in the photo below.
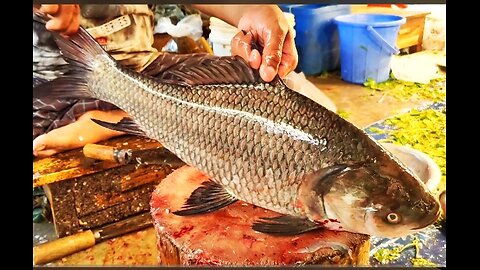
x=139, y=248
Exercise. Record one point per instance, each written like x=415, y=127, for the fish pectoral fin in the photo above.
x=126, y=125
x=285, y=225
x=205, y=199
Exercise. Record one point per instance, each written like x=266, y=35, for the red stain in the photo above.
x=323, y=222
x=248, y=240
x=183, y=230
x=299, y=204
x=201, y=260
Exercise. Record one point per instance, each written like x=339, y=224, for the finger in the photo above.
x=272, y=53
x=39, y=143
x=242, y=46
x=49, y=9
x=55, y=139
x=73, y=25
x=289, y=57
x=255, y=59
x=46, y=153
x=57, y=24
x=62, y=20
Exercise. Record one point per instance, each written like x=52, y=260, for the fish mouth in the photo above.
x=431, y=221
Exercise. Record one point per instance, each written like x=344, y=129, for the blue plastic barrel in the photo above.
x=316, y=37
x=367, y=43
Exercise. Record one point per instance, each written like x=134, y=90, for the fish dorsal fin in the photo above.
x=205, y=199
x=201, y=69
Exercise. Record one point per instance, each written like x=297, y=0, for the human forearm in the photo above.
x=229, y=13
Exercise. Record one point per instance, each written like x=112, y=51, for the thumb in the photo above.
x=40, y=143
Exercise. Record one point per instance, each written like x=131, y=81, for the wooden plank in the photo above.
x=61, y=200
x=385, y=10
x=72, y=163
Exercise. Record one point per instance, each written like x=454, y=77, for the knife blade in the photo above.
x=59, y=248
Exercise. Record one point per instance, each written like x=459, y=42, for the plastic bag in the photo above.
x=299, y=83
x=190, y=26
x=171, y=46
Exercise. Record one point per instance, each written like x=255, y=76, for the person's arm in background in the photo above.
x=265, y=24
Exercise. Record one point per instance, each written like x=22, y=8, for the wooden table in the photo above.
x=410, y=35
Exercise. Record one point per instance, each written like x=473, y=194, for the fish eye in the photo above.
x=393, y=218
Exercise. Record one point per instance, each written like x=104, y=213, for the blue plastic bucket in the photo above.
x=367, y=43
x=317, y=36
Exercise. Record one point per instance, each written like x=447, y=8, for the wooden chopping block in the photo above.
x=225, y=237
x=86, y=194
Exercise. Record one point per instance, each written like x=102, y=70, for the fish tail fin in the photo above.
x=81, y=51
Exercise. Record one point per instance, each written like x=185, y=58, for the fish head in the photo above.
x=379, y=200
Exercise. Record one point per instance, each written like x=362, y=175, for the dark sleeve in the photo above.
x=49, y=114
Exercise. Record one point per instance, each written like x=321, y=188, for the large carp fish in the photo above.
x=258, y=142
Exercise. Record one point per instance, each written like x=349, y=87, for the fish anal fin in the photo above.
x=207, y=198
x=126, y=125
x=285, y=225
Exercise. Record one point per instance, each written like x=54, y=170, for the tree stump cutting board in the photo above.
x=225, y=237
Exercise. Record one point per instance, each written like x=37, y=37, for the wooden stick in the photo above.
x=62, y=247
x=108, y=153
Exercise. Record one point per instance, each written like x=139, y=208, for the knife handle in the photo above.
x=108, y=153
x=62, y=247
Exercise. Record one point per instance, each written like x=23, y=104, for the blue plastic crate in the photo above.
x=317, y=36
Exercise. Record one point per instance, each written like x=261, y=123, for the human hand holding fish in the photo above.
x=266, y=42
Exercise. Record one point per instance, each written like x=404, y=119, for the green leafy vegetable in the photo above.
x=403, y=90
x=376, y=130
x=422, y=130
x=385, y=255
x=422, y=262
x=325, y=74
x=343, y=114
